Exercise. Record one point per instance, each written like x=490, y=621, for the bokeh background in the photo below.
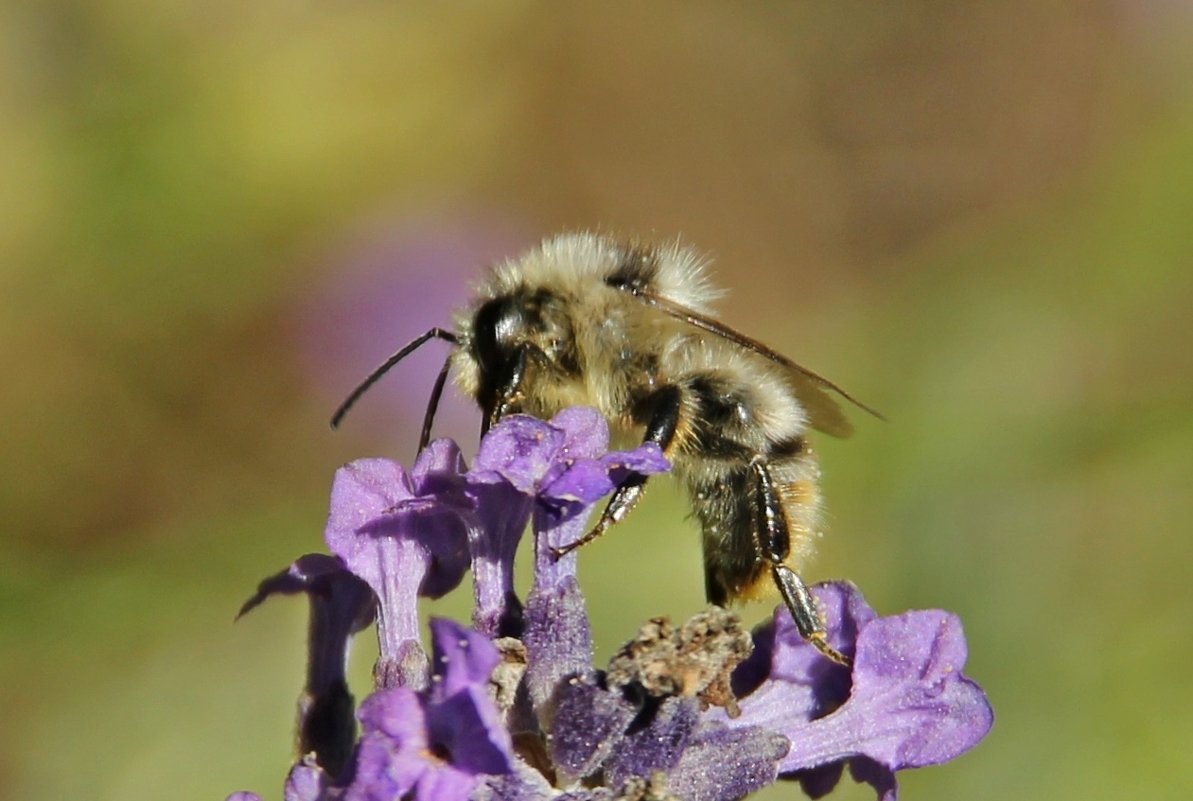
x=215, y=217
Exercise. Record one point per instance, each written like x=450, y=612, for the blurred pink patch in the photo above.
x=389, y=285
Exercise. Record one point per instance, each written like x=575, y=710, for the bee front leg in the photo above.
x=498, y=399
x=666, y=404
x=773, y=542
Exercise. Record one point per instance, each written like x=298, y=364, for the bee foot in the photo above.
x=820, y=643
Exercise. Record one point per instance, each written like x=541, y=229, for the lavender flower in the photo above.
x=434, y=744
x=905, y=704
x=341, y=606
x=513, y=709
x=406, y=535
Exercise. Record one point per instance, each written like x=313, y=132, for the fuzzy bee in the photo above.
x=626, y=328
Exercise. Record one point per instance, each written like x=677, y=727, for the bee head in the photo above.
x=503, y=338
x=516, y=334
x=502, y=327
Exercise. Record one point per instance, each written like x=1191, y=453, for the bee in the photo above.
x=628, y=329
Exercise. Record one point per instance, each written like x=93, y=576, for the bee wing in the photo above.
x=814, y=391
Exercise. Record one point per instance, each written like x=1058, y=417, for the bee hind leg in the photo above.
x=666, y=404
x=773, y=542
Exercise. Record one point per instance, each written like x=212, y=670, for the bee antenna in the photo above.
x=433, y=403
x=373, y=377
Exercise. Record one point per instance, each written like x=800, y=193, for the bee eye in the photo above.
x=499, y=326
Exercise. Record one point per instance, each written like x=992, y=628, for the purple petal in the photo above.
x=438, y=745
x=445, y=783
x=589, y=723
x=341, y=604
x=584, y=482
x=363, y=491
x=723, y=764
x=908, y=674
x=524, y=783
x=384, y=772
x=320, y=575
x=926, y=646
x=756, y=668
x=502, y=513
x=401, y=545
x=905, y=704
x=910, y=706
x=373, y=500
x=440, y=474
x=585, y=430
x=797, y=662
x=307, y=782
x=395, y=751
x=401, y=566
x=800, y=684
x=645, y=460
x=439, y=470
x=397, y=714
x=462, y=658
x=440, y=534
x=243, y=795
x=659, y=745
x=554, y=463
x=521, y=450
x=468, y=727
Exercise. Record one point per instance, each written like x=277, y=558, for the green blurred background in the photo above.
x=215, y=217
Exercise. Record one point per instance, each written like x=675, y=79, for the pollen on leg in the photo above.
x=801, y=502
x=760, y=588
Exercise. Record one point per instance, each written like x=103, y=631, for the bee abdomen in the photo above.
x=737, y=548
x=720, y=503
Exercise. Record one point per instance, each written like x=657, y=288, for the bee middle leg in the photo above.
x=667, y=407
x=773, y=544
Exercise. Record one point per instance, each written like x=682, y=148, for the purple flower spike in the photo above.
x=558, y=637
x=908, y=703
x=575, y=475
x=514, y=710
x=555, y=471
x=405, y=535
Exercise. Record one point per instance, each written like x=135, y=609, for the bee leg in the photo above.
x=773, y=542
x=498, y=399
x=666, y=404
